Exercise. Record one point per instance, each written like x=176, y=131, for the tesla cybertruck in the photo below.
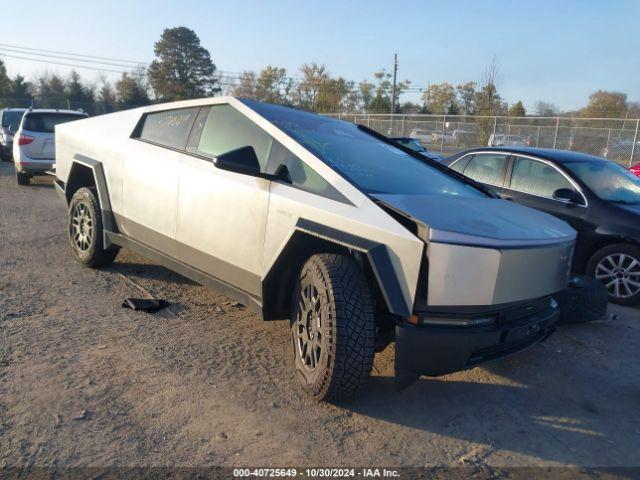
x=358, y=241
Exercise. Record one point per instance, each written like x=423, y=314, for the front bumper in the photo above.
x=33, y=166
x=439, y=350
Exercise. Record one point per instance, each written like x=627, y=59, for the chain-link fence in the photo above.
x=613, y=138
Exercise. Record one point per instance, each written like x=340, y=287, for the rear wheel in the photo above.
x=86, y=231
x=617, y=266
x=332, y=327
x=22, y=178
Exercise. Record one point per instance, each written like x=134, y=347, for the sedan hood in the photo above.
x=488, y=222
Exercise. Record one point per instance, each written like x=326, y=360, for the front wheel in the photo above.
x=86, y=231
x=332, y=327
x=617, y=266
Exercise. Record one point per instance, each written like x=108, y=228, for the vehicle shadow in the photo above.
x=40, y=184
x=6, y=168
x=148, y=271
x=550, y=412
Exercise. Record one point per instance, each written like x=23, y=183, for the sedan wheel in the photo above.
x=620, y=273
x=618, y=268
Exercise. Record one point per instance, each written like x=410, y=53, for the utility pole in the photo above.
x=393, y=90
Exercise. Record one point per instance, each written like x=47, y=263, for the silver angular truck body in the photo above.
x=239, y=195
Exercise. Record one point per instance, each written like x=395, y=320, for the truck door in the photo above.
x=150, y=177
x=222, y=214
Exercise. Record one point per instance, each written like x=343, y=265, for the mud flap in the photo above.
x=429, y=351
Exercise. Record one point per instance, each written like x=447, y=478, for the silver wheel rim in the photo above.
x=620, y=273
x=308, y=327
x=81, y=228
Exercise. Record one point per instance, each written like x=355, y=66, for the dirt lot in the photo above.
x=84, y=382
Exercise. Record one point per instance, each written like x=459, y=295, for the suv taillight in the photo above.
x=25, y=139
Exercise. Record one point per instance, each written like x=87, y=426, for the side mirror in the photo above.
x=241, y=160
x=566, y=195
x=245, y=161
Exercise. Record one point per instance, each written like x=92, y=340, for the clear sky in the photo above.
x=558, y=51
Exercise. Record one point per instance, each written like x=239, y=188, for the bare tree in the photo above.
x=546, y=109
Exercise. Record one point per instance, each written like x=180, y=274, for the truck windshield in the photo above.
x=373, y=166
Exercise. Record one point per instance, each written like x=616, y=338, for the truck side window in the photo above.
x=302, y=175
x=169, y=128
x=227, y=129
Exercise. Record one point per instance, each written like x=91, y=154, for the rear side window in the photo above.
x=45, y=122
x=487, y=168
x=460, y=164
x=227, y=129
x=169, y=128
x=537, y=178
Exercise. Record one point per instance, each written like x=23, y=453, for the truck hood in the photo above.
x=487, y=222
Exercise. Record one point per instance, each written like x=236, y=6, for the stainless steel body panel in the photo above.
x=481, y=221
x=222, y=216
x=287, y=205
x=150, y=194
x=464, y=275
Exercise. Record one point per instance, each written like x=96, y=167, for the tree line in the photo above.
x=183, y=69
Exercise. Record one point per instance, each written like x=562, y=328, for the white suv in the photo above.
x=34, y=143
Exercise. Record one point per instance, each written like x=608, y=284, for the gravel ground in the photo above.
x=84, y=382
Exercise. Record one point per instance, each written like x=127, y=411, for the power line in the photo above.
x=226, y=78
x=73, y=54
x=46, y=55
x=64, y=64
x=229, y=79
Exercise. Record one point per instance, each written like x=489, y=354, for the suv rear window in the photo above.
x=46, y=121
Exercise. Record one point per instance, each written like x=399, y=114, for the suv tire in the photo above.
x=332, y=327
x=22, y=178
x=615, y=266
x=84, y=227
x=584, y=300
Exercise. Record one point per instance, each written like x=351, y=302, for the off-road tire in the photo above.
x=87, y=245
x=584, y=300
x=614, y=250
x=22, y=178
x=346, y=326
